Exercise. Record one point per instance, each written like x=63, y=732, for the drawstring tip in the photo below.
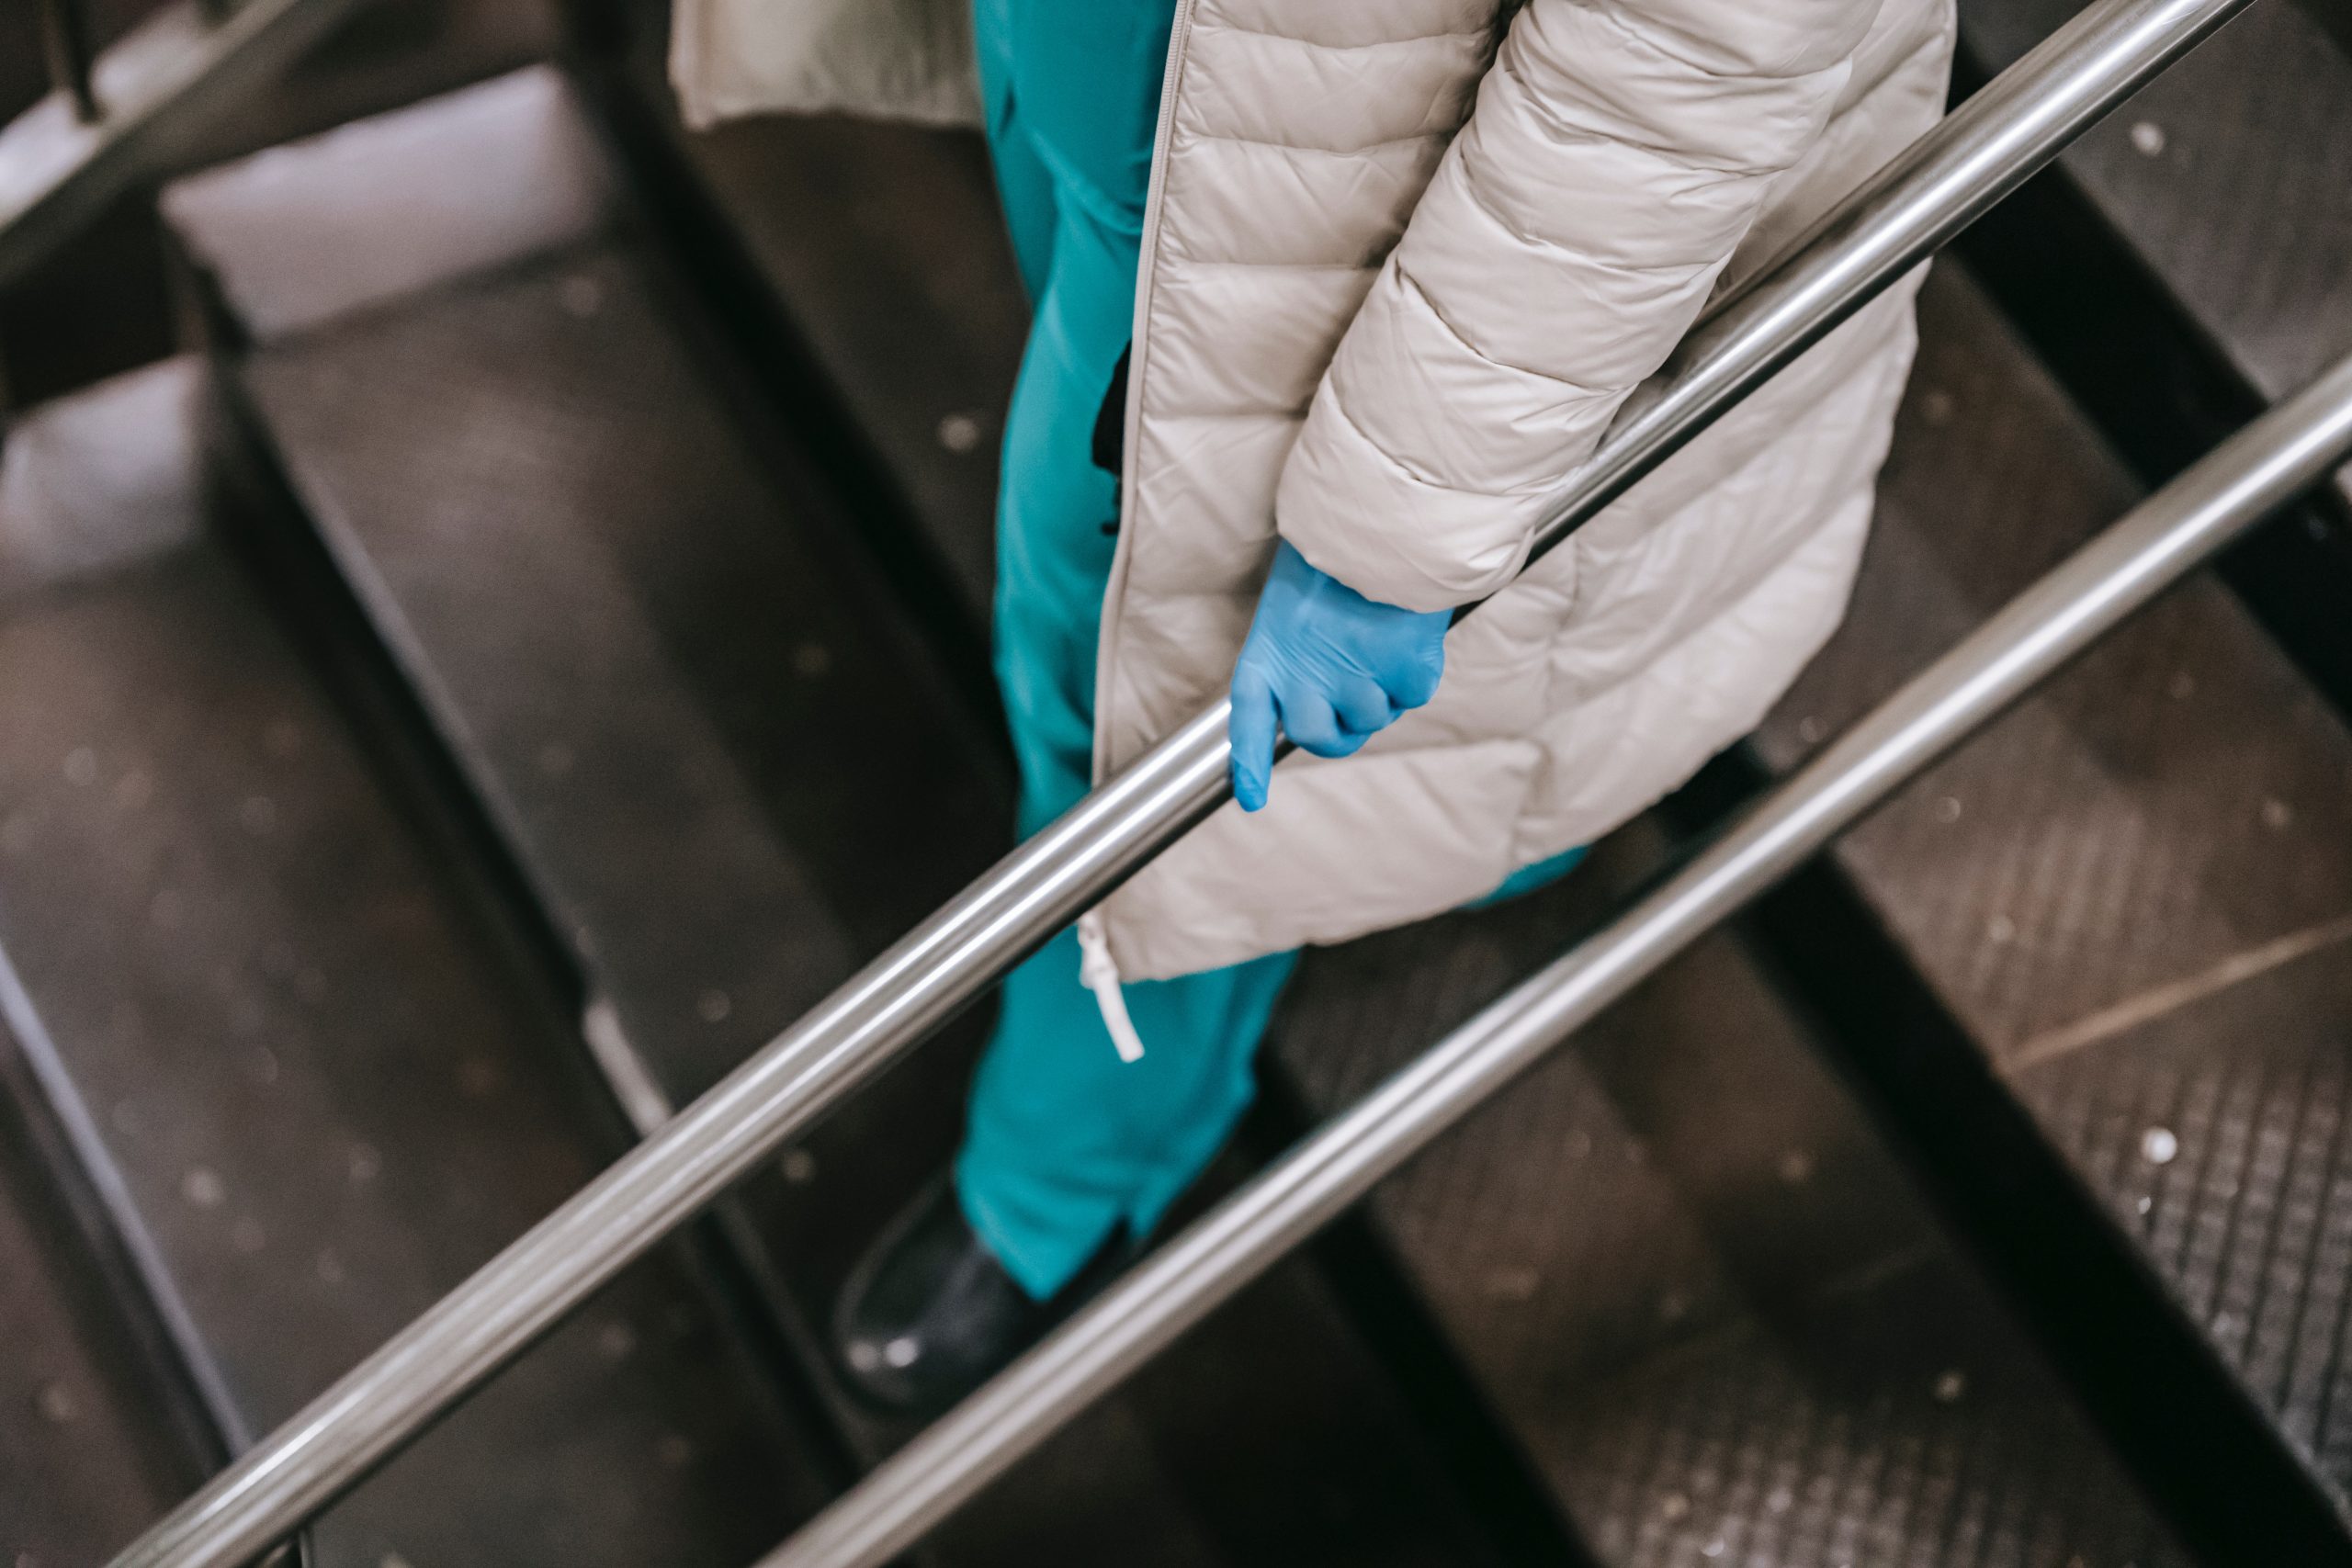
x=1099, y=973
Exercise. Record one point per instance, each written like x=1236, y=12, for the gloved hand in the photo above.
x=1332, y=666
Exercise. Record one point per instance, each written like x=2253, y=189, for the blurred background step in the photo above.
x=314, y=1094
x=866, y=267
x=97, y=1436
x=2128, y=899
x=882, y=248
x=643, y=650
x=100, y=304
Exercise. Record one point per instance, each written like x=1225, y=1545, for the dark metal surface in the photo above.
x=2184, y=803
x=2228, y=178
x=88, y=1449
x=315, y=1095
x=651, y=668
x=1693, y=1282
x=2131, y=893
x=871, y=263
x=1893, y=1423
x=884, y=247
x=2176, y=276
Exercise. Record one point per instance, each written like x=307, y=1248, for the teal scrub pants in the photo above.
x=1066, y=1143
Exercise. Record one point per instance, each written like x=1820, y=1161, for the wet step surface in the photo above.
x=2132, y=893
x=320, y=1100
x=725, y=772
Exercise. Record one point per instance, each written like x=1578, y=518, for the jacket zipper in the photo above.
x=1178, y=37
x=1098, y=971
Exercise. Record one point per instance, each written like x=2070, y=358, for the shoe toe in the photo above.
x=930, y=1313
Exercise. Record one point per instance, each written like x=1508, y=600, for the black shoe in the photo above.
x=929, y=1315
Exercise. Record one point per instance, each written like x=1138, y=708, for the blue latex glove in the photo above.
x=1333, y=666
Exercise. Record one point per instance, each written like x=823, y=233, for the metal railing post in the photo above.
x=2052, y=623
x=1978, y=154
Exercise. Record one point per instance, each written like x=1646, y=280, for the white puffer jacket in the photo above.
x=1403, y=260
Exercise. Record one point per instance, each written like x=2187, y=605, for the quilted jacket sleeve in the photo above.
x=1618, y=151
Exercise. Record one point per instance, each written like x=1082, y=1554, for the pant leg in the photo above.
x=1024, y=186
x=1065, y=1142
x=1528, y=878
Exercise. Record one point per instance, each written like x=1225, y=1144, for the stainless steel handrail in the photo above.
x=2088, y=596
x=1976, y=157
x=115, y=121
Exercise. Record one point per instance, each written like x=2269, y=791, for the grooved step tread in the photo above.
x=2133, y=891
x=1697, y=1288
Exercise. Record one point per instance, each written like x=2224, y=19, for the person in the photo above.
x=1329, y=296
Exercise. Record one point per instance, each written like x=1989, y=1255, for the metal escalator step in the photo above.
x=1893, y=1423
x=650, y=667
x=883, y=246
x=2133, y=893
x=320, y=1101
x=87, y=1443
x=653, y=677
x=879, y=253
x=1690, y=1281
x=2226, y=180
x=1480, y=1221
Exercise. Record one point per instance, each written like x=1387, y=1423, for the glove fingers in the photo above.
x=1251, y=730
x=1309, y=718
x=1411, y=678
x=1363, y=708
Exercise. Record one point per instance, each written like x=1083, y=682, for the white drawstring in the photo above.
x=1099, y=971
